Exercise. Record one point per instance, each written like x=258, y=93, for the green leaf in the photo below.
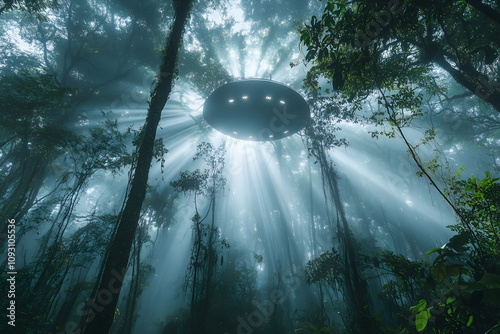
x=469, y=322
x=434, y=250
x=421, y=320
x=491, y=280
x=419, y=307
x=459, y=240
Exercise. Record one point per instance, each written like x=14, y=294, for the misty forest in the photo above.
x=124, y=210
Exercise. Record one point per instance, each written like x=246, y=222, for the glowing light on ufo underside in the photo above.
x=256, y=109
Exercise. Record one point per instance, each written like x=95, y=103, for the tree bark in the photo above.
x=99, y=317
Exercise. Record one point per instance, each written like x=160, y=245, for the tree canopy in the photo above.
x=362, y=45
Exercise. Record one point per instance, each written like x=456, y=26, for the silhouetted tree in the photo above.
x=32, y=137
x=321, y=136
x=206, y=246
x=116, y=259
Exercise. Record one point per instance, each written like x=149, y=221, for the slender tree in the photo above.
x=206, y=246
x=99, y=317
x=321, y=137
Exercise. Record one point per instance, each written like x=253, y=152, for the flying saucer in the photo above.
x=256, y=109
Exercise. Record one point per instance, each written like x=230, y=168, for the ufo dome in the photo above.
x=256, y=109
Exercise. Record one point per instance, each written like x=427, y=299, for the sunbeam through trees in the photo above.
x=351, y=184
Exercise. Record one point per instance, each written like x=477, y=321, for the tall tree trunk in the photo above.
x=314, y=243
x=99, y=317
x=134, y=292
x=355, y=285
x=206, y=299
